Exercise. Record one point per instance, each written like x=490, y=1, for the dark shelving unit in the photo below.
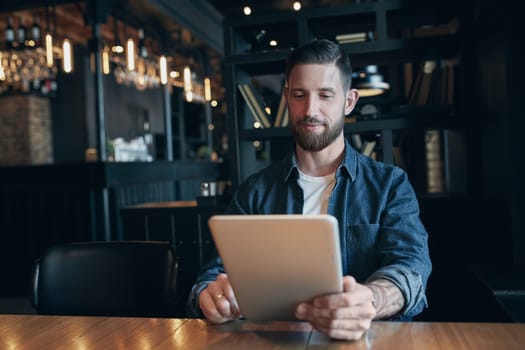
x=387, y=46
x=483, y=223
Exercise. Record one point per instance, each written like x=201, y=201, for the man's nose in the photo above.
x=312, y=106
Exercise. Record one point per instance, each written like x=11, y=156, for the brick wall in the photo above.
x=25, y=130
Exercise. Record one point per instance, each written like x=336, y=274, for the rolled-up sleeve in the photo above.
x=411, y=285
x=214, y=267
x=208, y=273
x=402, y=246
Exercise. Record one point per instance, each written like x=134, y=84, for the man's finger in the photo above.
x=208, y=307
x=349, y=283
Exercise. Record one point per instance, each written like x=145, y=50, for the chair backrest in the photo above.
x=124, y=278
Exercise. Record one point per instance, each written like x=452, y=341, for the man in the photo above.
x=384, y=247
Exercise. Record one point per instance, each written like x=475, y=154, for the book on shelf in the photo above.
x=349, y=38
x=442, y=89
x=357, y=141
x=286, y=118
x=368, y=147
x=434, y=161
x=414, y=86
x=255, y=104
x=408, y=78
x=363, y=145
x=445, y=161
x=449, y=91
x=455, y=160
x=443, y=86
x=428, y=70
x=282, y=111
x=433, y=84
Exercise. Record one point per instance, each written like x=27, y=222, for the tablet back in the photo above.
x=275, y=262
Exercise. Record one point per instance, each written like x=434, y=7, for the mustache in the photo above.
x=312, y=120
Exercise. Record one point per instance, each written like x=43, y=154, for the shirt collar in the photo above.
x=348, y=166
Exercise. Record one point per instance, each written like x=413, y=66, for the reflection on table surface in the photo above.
x=83, y=333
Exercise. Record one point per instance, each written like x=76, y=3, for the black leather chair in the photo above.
x=124, y=278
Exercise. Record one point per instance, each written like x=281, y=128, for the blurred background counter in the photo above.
x=44, y=205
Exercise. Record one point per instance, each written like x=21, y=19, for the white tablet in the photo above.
x=274, y=262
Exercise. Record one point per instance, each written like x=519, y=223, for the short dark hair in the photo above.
x=322, y=51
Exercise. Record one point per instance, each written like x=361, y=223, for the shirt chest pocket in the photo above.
x=361, y=241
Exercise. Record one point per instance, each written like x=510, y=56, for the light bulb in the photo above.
x=187, y=79
x=130, y=54
x=163, y=70
x=189, y=96
x=117, y=49
x=67, y=59
x=49, y=50
x=207, y=89
x=105, y=60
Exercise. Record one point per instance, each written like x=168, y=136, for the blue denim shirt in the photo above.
x=381, y=234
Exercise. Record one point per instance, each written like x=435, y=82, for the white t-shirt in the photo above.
x=316, y=190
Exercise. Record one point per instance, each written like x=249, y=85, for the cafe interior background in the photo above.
x=117, y=105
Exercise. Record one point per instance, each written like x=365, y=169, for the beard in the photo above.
x=314, y=142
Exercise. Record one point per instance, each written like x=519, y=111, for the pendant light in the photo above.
x=369, y=82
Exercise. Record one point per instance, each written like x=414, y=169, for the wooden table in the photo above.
x=30, y=332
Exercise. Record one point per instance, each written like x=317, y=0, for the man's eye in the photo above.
x=327, y=96
x=298, y=95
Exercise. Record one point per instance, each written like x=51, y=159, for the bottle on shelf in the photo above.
x=143, y=51
x=36, y=33
x=25, y=86
x=258, y=40
x=47, y=87
x=36, y=84
x=21, y=33
x=9, y=34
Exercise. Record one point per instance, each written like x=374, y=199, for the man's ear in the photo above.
x=352, y=97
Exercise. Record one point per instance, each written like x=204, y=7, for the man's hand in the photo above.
x=345, y=315
x=217, y=302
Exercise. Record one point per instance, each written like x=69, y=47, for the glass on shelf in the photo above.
x=135, y=150
x=25, y=70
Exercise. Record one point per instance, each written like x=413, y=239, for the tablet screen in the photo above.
x=274, y=262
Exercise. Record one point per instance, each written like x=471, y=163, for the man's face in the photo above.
x=317, y=105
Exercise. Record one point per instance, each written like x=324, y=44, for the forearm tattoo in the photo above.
x=387, y=298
